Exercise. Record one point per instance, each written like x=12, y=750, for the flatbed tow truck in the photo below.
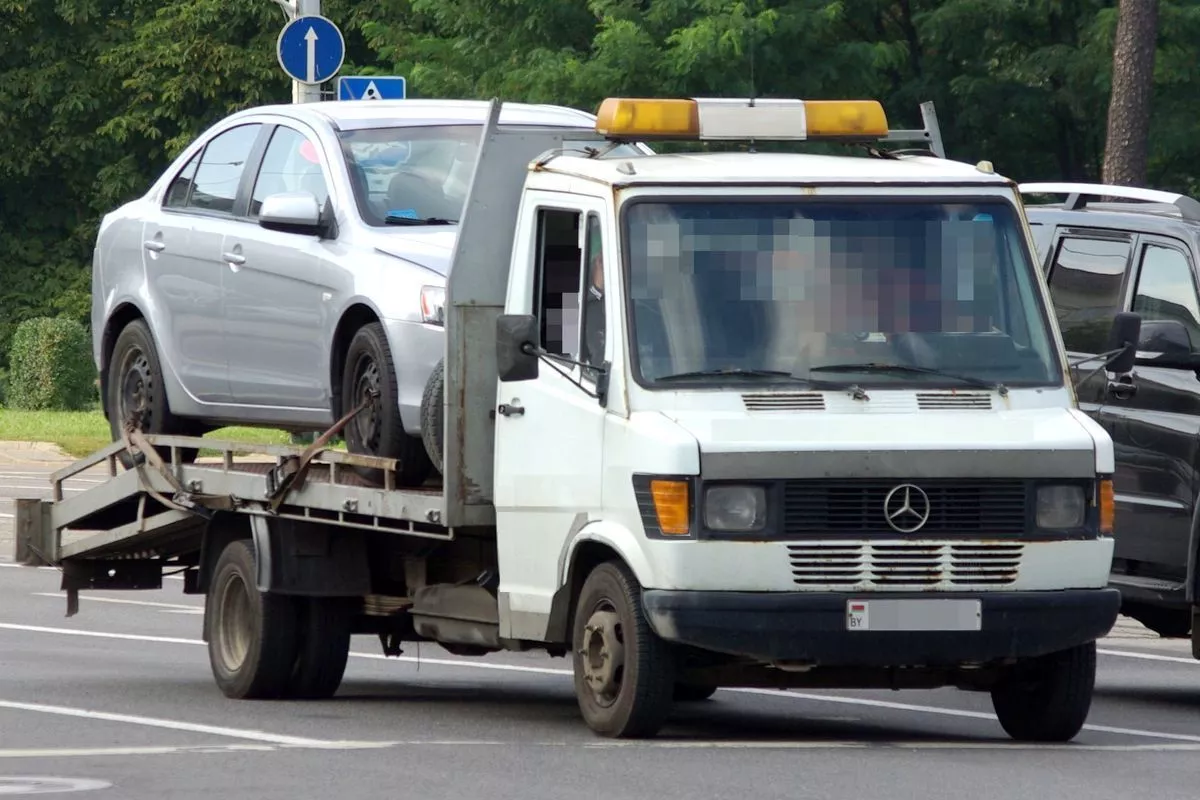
x=671, y=523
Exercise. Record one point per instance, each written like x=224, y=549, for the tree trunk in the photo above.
x=1127, y=145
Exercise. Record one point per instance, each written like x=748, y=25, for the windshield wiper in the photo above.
x=874, y=367
x=738, y=372
x=398, y=220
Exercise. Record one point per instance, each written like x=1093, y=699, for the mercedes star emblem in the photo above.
x=906, y=508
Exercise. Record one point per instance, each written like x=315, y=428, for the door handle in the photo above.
x=155, y=245
x=234, y=258
x=509, y=410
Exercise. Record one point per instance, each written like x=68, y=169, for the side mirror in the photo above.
x=1167, y=336
x=291, y=212
x=1123, y=336
x=516, y=351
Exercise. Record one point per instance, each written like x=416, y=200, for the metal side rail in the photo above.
x=143, y=511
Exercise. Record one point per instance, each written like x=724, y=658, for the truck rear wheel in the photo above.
x=252, y=642
x=624, y=673
x=1047, y=699
x=324, y=646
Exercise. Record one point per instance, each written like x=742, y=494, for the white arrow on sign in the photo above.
x=372, y=92
x=311, y=38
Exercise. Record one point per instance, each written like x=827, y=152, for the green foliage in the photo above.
x=97, y=96
x=51, y=366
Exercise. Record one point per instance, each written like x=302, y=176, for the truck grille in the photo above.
x=905, y=565
x=954, y=507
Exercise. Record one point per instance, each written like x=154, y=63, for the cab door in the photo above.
x=550, y=430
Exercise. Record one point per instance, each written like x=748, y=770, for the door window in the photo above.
x=569, y=285
x=221, y=166
x=1086, y=281
x=290, y=164
x=1166, y=293
x=177, y=194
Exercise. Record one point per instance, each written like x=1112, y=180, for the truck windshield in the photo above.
x=942, y=292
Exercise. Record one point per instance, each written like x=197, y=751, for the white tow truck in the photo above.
x=710, y=419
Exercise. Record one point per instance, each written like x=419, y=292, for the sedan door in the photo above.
x=277, y=317
x=182, y=260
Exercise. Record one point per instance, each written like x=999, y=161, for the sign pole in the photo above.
x=294, y=9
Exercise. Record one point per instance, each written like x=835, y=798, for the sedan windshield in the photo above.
x=420, y=174
x=911, y=292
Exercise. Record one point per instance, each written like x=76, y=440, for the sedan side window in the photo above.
x=1086, y=280
x=177, y=194
x=221, y=167
x=291, y=164
x=1167, y=302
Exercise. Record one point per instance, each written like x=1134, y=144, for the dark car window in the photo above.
x=177, y=194
x=221, y=167
x=1166, y=289
x=1085, y=282
x=291, y=163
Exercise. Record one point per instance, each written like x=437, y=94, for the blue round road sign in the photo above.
x=311, y=49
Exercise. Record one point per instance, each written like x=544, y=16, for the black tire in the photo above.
x=1047, y=699
x=324, y=646
x=693, y=693
x=135, y=381
x=252, y=642
x=433, y=416
x=635, y=700
x=377, y=430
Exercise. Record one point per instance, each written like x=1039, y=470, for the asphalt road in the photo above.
x=119, y=702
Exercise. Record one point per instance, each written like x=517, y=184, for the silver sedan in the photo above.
x=290, y=263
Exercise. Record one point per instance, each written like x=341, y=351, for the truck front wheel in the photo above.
x=1047, y=699
x=252, y=642
x=624, y=674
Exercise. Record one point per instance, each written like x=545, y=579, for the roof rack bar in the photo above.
x=1189, y=208
x=931, y=133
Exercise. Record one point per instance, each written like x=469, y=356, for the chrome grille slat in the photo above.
x=945, y=565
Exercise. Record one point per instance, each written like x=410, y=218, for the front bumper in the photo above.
x=811, y=627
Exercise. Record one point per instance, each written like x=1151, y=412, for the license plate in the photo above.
x=914, y=615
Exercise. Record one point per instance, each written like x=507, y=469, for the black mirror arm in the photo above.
x=530, y=349
x=1100, y=356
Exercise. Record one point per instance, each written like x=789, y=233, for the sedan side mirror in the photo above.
x=292, y=212
x=516, y=347
x=1123, y=337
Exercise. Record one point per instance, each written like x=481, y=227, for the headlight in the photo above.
x=1060, y=506
x=433, y=302
x=735, y=508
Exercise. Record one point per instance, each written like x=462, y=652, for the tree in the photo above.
x=1127, y=145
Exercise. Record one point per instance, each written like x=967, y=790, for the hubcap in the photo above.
x=366, y=389
x=137, y=387
x=233, y=634
x=603, y=655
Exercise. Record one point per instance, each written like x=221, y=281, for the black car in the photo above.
x=1107, y=249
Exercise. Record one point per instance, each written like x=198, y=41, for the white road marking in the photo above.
x=89, y=752
x=7, y=516
x=172, y=608
x=1150, y=656
x=191, y=727
x=838, y=699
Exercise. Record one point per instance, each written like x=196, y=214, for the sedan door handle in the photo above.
x=234, y=258
x=155, y=245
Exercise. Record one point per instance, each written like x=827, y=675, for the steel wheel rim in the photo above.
x=136, y=388
x=602, y=654
x=367, y=424
x=233, y=634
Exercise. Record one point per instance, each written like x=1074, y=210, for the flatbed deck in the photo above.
x=156, y=512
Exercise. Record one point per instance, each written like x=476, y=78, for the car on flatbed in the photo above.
x=290, y=264
x=1112, y=249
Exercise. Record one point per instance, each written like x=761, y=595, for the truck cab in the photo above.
x=780, y=419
